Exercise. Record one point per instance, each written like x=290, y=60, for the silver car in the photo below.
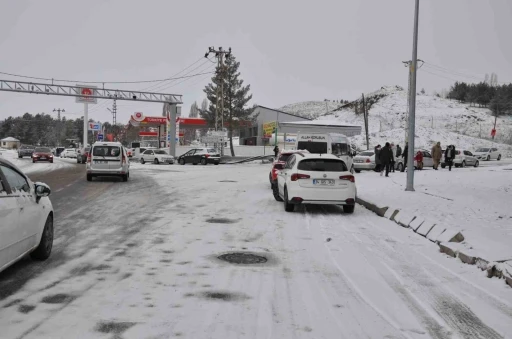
x=487, y=153
x=364, y=161
x=108, y=159
x=465, y=158
x=156, y=156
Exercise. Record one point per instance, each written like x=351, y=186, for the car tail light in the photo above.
x=297, y=200
x=368, y=160
x=206, y=155
x=350, y=201
x=89, y=158
x=297, y=176
x=123, y=159
x=350, y=178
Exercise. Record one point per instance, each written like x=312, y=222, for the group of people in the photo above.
x=385, y=157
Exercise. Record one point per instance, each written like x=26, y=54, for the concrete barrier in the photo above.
x=426, y=227
x=416, y=223
x=451, y=235
x=379, y=210
x=435, y=232
x=404, y=219
x=390, y=213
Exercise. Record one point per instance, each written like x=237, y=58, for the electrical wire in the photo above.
x=101, y=82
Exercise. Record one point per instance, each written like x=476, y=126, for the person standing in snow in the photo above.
x=419, y=160
x=393, y=160
x=386, y=157
x=449, y=155
x=276, y=151
x=398, y=151
x=437, y=154
x=406, y=150
x=377, y=158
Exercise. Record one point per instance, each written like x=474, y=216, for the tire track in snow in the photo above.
x=455, y=313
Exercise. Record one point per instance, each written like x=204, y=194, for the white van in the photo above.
x=108, y=159
x=328, y=143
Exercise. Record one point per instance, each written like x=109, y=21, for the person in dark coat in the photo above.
x=406, y=150
x=449, y=155
x=398, y=151
x=276, y=151
x=386, y=158
x=377, y=158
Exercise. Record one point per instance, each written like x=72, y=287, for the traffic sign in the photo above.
x=95, y=126
x=100, y=137
x=493, y=132
x=87, y=92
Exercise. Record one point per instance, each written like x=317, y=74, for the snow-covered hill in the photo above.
x=437, y=119
x=310, y=109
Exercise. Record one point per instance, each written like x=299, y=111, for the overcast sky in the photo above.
x=290, y=51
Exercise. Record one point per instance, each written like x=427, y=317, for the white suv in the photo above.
x=108, y=159
x=487, y=153
x=321, y=179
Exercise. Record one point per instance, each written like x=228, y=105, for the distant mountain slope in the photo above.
x=310, y=109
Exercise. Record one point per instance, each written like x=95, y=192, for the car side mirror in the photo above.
x=42, y=190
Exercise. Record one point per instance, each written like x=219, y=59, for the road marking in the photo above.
x=60, y=189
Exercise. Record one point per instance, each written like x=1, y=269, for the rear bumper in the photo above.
x=364, y=166
x=213, y=160
x=319, y=196
x=106, y=173
x=323, y=202
x=39, y=159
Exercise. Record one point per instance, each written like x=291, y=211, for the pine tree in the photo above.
x=236, y=97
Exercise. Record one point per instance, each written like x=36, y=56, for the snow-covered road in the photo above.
x=139, y=260
x=28, y=166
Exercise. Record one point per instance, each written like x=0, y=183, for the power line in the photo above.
x=103, y=82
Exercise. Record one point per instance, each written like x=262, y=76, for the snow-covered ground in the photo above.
x=328, y=275
x=476, y=200
x=27, y=166
x=310, y=109
x=437, y=119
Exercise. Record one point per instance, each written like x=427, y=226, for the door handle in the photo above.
x=22, y=208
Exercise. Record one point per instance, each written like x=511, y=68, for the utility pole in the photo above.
x=221, y=68
x=365, y=115
x=58, y=110
x=412, y=103
x=114, y=118
x=408, y=65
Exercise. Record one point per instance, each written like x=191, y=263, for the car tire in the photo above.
x=142, y=161
x=43, y=251
x=215, y=163
x=124, y=177
x=19, y=156
x=488, y=158
x=499, y=157
x=156, y=162
x=349, y=209
x=275, y=192
x=51, y=161
x=182, y=161
x=477, y=163
x=204, y=162
x=194, y=163
x=287, y=206
x=357, y=171
x=400, y=167
x=33, y=161
x=89, y=177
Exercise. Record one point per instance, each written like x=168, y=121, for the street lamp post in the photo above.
x=412, y=103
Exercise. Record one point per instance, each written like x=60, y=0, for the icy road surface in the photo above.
x=27, y=166
x=139, y=260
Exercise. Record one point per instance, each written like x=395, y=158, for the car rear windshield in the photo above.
x=211, y=150
x=42, y=150
x=106, y=151
x=284, y=157
x=482, y=150
x=366, y=154
x=313, y=147
x=322, y=165
x=160, y=152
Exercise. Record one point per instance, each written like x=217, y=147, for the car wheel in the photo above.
x=142, y=161
x=275, y=192
x=488, y=158
x=204, y=162
x=400, y=167
x=215, y=163
x=43, y=251
x=33, y=161
x=89, y=177
x=357, y=171
x=499, y=157
x=463, y=164
x=19, y=156
x=182, y=161
x=51, y=161
x=287, y=206
x=349, y=209
x=194, y=163
x=156, y=162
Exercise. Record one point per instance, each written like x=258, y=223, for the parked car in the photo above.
x=42, y=154
x=25, y=151
x=81, y=157
x=204, y=156
x=26, y=220
x=463, y=158
x=279, y=163
x=157, y=156
x=69, y=153
x=487, y=153
x=57, y=151
x=364, y=161
x=107, y=159
x=428, y=161
x=321, y=179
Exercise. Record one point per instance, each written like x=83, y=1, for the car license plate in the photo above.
x=43, y=158
x=323, y=182
x=358, y=160
x=100, y=162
